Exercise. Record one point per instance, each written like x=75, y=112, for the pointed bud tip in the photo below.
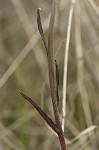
x=20, y=91
x=39, y=9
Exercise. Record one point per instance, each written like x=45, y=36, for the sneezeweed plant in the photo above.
x=53, y=77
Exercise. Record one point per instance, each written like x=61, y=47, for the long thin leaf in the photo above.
x=42, y=113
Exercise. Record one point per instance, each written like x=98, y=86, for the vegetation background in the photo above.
x=23, y=65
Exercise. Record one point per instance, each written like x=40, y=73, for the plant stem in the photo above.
x=51, y=67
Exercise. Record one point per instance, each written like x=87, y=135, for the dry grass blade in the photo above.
x=80, y=66
x=84, y=133
x=19, y=59
x=8, y=140
x=81, y=70
x=28, y=28
x=94, y=6
x=21, y=13
x=66, y=64
x=19, y=122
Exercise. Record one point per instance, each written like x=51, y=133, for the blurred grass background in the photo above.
x=23, y=65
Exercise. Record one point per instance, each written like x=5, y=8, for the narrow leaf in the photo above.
x=40, y=28
x=42, y=113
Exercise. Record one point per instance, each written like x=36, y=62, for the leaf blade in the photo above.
x=49, y=121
